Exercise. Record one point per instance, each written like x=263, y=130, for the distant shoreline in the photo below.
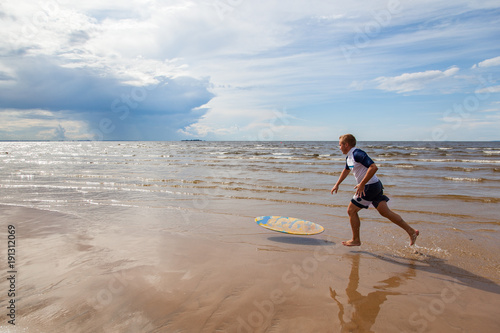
x=199, y=140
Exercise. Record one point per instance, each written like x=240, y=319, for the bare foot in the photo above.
x=413, y=238
x=351, y=243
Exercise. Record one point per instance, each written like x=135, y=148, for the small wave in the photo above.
x=403, y=166
x=464, y=169
x=399, y=154
x=290, y=171
x=451, y=197
x=447, y=160
x=480, y=161
x=464, y=179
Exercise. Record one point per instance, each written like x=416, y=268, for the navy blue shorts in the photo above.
x=374, y=194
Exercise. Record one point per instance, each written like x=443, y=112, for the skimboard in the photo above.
x=289, y=225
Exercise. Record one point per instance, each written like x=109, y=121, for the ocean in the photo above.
x=118, y=202
x=454, y=183
x=450, y=185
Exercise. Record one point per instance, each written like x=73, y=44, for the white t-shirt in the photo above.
x=358, y=162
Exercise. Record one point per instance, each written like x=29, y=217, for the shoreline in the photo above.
x=75, y=275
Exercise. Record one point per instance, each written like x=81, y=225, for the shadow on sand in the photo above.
x=297, y=240
x=435, y=265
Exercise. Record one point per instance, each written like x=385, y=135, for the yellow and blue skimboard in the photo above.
x=289, y=225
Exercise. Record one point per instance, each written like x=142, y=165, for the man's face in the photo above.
x=344, y=147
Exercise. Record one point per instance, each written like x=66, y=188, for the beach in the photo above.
x=160, y=237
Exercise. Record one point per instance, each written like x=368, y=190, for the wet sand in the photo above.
x=133, y=272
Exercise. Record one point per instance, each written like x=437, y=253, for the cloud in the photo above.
x=408, y=82
x=53, y=87
x=488, y=63
x=60, y=133
x=83, y=94
x=85, y=62
x=41, y=125
x=148, y=69
x=259, y=125
x=492, y=89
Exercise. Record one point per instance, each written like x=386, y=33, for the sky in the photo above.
x=390, y=70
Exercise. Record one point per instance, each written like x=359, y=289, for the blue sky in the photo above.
x=249, y=70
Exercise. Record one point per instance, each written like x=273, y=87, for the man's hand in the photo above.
x=342, y=176
x=360, y=190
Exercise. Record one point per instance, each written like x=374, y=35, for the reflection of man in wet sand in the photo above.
x=365, y=309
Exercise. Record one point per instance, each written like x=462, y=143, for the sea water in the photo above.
x=445, y=188
x=72, y=175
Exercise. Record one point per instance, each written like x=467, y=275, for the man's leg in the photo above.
x=384, y=210
x=352, y=211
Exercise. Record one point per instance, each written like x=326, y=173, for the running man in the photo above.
x=368, y=191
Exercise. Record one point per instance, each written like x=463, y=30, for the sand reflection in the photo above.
x=360, y=312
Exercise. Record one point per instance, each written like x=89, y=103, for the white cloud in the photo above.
x=492, y=89
x=488, y=63
x=83, y=57
x=118, y=40
x=41, y=125
x=408, y=82
x=257, y=125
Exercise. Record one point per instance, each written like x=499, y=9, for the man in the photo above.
x=368, y=191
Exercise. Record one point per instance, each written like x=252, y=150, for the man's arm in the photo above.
x=342, y=176
x=360, y=188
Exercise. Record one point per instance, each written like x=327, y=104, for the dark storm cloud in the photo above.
x=167, y=106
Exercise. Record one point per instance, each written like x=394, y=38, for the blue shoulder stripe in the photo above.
x=361, y=157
